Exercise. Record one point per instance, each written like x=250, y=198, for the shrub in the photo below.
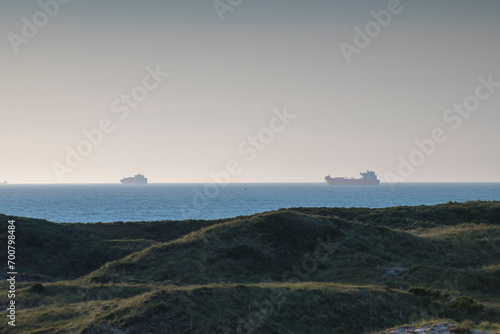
x=432, y=294
x=466, y=305
x=37, y=288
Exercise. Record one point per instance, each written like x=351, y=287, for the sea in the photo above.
x=85, y=203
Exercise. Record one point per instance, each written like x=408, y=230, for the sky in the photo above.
x=249, y=91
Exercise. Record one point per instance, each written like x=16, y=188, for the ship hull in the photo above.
x=351, y=182
x=133, y=182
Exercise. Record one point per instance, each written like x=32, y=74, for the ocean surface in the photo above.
x=117, y=202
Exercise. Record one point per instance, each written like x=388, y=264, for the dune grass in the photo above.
x=309, y=270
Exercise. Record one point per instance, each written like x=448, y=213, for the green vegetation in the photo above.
x=309, y=270
x=466, y=305
x=51, y=251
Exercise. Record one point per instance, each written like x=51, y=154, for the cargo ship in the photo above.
x=138, y=179
x=368, y=178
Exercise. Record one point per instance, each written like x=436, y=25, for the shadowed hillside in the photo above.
x=310, y=270
x=66, y=251
x=264, y=248
x=417, y=217
x=233, y=308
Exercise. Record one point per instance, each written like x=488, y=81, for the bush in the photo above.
x=37, y=288
x=466, y=305
x=418, y=291
x=426, y=292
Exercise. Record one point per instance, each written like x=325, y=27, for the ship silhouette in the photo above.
x=368, y=178
x=138, y=179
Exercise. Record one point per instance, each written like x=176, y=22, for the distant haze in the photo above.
x=222, y=108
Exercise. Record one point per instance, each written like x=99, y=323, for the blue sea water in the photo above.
x=116, y=202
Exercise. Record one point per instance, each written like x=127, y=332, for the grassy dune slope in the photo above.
x=417, y=217
x=264, y=247
x=223, y=308
x=65, y=251
x=310, y=270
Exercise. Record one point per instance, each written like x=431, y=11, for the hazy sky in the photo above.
x=228, y=79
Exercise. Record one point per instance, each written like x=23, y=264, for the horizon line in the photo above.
x=226, y=183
